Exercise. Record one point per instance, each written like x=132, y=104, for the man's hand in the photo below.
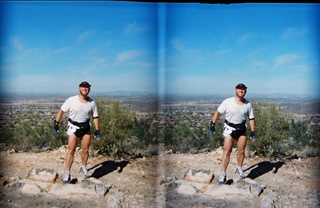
x=97, y=135
x=253, y=136
x=212, y=129
x=55, y=128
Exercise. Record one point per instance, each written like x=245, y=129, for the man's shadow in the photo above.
x=107, y=167
x=263, y=168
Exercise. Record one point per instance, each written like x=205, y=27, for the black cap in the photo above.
x=84, y=84
x=241, y=86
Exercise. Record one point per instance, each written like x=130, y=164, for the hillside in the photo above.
x=158, y=181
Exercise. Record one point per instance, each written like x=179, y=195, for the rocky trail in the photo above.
x=166, y=180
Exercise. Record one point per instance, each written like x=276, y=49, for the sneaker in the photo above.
x=240, y=173
x=222, y=179
x=66, y=178
x=84, y=172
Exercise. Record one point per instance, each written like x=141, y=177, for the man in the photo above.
x=80, y=107
x=236, y=110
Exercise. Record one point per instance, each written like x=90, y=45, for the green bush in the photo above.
x=187, y=135
x=272, y=127
x=123, y=132
x=116, y=123
x=29, y=135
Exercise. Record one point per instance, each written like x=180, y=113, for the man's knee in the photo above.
x=71, y=151
x=241, y=152
x=227, y=153
x=85, y=150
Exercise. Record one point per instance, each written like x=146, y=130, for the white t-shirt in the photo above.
x=78, y=111
x=236, y=113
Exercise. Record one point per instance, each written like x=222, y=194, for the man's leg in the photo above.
x=72, y=144
x=228, y=142
x=242, y=143
x=85, y=143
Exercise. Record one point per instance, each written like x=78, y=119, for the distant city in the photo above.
x=169, y=109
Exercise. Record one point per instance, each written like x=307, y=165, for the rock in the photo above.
x=268, y=199
x=114, y=200
x=309, y=152
x=101, y=189
x=251, y=185
x=200, y=176
x=31, y=189
x=187, y=189
x=227, y=191
x=63, y=148
x=256, y=190
x=15, y=179
x=44, y=175
x=44, y=186
x=45, y=149
x=72, y=190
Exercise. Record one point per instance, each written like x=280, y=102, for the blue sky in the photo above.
x=50, y=47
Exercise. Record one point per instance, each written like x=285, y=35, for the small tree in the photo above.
x=272, y=128
x=116, y=123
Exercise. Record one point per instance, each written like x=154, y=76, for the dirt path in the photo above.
x=140, y=182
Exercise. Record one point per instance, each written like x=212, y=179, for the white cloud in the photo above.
x=62, y=50
x=134, y=28
x=285, y=59
x=126, y=56
x=222, y=52
x=18, y=45
x=177, y=45
x=293, y=32
x=85, y=35
x=245, y=38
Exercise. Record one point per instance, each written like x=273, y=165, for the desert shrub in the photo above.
x=29, y=135
x=122, y=131
x=116, y=123
x=145, y=132
x=272, y=127
x=299, y=134
x=187, y=135
x=6, y=134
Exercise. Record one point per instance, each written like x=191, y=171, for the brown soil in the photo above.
x=142, y=181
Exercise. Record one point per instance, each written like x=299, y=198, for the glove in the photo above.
x=97, y=134
x=212, y=127
x=253, y=135
x=55, y=128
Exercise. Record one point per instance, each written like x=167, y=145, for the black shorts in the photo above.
x=234, y=130
x=78, y=129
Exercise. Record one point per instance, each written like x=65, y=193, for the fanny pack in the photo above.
x=82, y=125
x=238, y=127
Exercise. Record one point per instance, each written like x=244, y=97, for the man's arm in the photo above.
x=97, y=133
x=96, y=123
x=55, y=128
x=253, y=135
x=252, y=124
x=216, y=116
x=213, y=122
x=59, y=115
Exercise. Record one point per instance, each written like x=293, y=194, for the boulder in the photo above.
x=44, y=175
x=200, y=176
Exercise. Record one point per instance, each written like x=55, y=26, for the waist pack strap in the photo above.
x=77, y=123
x=234, y=125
